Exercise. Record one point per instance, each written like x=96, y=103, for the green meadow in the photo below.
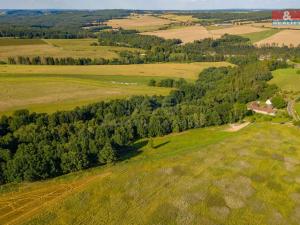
x=204, y=176
x=287, y=79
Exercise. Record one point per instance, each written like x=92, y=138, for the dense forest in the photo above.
x=39, y=146
x=54, y=23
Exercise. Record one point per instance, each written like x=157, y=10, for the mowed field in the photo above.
x=52, y=88
x=284, y=37
x=192, y=33
x=203, y=176
x=61, y=48
x=186, y=34
x=140, y=23
x=287, y=79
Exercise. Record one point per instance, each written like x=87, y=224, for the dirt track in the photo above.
x=19, y=208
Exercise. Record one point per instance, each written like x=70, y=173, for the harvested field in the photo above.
x=179, y=18
x=285, y=37
x=17, y=42
x=236, y=30
x=173, y=70
x=60, y=48
x=269, y=25
x=139, y=22
x=186, y=34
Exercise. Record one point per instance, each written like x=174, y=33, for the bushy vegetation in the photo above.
x=38, y=146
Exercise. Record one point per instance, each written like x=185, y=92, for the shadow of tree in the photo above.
x=162, y=144
x=131, y=151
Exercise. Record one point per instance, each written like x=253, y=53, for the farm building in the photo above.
x=266, y=109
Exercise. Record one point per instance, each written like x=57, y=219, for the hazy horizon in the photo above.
x=153, y=5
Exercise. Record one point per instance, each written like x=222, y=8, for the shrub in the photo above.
x=279, y=102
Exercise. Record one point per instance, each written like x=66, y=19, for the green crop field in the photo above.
x=204, y=176
x=287, y=79
x=51, y=88
x=258, y=36
x=58, y=48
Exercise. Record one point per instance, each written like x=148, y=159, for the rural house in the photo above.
x=266, y=109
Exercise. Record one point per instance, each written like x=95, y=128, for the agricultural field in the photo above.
x=180, y=18
x=186, y=34
x=192, y=33
x=287, y=79
x=258, y=36
x=236, y=30
x=205, y=176
x=284, y=37
x=65, y=87
x=140, y=23
x=270, y=25
x=57, y=48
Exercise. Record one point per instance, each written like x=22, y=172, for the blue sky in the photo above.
x=148, y=4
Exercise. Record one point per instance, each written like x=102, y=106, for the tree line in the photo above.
x=39, y=146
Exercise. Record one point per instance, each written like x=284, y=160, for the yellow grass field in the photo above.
x=285, y=37
x=60, y=49
x=173, y=70
x=139, y=22
x=186, y=34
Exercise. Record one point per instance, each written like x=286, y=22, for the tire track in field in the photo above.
x=22, y=213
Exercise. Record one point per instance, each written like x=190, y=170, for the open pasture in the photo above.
x=204, y=176
x=285, y=37
x=61, y=48
x=139, y=22
x=186, y=34
x=287, y=79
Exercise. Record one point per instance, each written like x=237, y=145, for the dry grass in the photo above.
x=139, y=22
x=285, y=37
x=186, y=34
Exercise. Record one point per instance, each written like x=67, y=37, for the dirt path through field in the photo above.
x=237, y=127
x=19, y=208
